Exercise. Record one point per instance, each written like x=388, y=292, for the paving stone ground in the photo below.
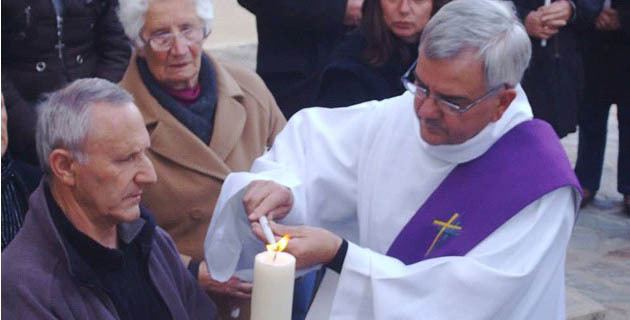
x=598, y=259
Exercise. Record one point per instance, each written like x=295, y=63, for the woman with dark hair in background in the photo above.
x=368, y=64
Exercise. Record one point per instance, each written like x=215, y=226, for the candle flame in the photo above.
x=280, y=245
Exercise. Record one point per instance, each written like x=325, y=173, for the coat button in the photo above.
x=79, y=59
x=40, y=66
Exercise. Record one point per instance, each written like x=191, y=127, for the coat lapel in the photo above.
x=172, y=140
x=175, y=142
x=230, y=115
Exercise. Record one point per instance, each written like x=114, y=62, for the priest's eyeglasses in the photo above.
x=163, y=40
x=411, y=84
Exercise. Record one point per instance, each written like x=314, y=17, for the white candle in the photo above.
x=272, y=294
x=606, y=3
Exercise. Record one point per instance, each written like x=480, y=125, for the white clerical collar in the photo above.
x=518, y=111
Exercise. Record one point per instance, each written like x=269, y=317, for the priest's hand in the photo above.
x=233, y=287
x=309, y=245
x=352, y=16
x=267, y=198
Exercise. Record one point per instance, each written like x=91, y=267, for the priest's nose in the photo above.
x=427, y=108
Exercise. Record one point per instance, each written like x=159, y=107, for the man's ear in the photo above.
x=505, y=97
x=62, y=165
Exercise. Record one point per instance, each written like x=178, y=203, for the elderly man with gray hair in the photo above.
x=87, y=250
x=447, y=202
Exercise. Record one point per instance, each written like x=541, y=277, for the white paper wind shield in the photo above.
x=230, y=245
x=229, y=230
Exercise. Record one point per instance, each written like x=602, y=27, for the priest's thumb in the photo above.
x=282, y=229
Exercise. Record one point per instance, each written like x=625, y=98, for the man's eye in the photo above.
x=128, y=158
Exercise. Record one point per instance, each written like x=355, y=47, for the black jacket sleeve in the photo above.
x=21, y=122
x=306, y=15
x=340, y=88
x=523, y=8
x=623, y=7
x=112, y=45
x=585, y=10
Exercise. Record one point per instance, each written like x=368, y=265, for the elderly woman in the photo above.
x=368, y=63
x=205, y=119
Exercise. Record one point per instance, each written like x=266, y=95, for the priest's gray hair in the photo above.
x=64, y=117
x=131, y=15
x=490, y=27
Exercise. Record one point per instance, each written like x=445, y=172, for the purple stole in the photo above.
x=479, y=196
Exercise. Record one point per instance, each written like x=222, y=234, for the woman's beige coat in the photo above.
x=190, y=173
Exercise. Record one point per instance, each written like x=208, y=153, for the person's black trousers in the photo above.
x=593, y=123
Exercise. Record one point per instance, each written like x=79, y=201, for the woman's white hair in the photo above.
x=131, y=15
x=490, y=27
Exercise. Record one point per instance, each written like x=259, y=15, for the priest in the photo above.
x=447, y=202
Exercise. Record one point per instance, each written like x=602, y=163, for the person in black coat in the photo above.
x=295, y=39
x=607, y=69
x=41, y=53
x=369, y=62
x=19, y=180
x=554, y=81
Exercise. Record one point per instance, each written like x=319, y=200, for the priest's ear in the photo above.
x=505, y=98
x=63, y=166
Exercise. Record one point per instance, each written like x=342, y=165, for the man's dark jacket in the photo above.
x=295, y=39
x=349, y=79
x=39, y=281
x=554, y=80
x=607, y=60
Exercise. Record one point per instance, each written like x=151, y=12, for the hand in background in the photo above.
x=607, y=20
x=234, y=287
x=267, y=198
x=353, y=13
x=309, y=245
x=556, y=14
x=536, y=28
